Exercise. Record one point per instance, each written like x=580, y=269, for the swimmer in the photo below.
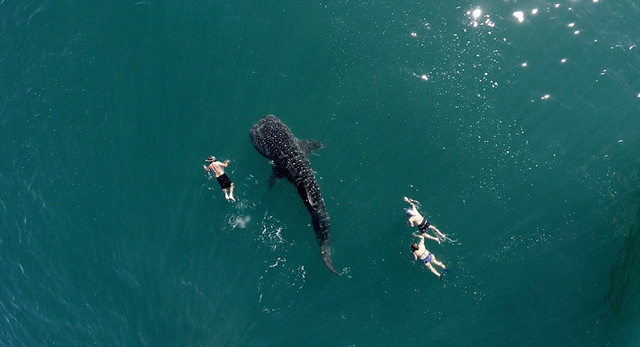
x=420, y=252
x=218, y=170
x=415, y=218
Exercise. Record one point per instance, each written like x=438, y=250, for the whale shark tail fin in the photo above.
x=326, y=257
x=309, y=146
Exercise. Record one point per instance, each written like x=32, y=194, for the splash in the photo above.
x=281, y=279
x=240, y=221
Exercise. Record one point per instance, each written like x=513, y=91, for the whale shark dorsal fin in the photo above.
x=309, y=146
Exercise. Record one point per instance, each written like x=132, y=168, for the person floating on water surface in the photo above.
x=415, y=218
x=218, y=170
x=420, y=252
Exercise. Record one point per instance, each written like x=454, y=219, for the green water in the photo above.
x=519, y=138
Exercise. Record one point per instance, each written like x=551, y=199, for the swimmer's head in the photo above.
x=414, y=247
x=211, y=159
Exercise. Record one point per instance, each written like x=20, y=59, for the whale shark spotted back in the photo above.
x=290, y=157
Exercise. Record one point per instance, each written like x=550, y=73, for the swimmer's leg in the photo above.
x=231, y=193
x=435, y=272
x=435, y=261
x=440, y=234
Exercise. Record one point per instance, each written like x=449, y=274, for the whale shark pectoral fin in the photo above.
x=272, y=181
x=276, y=173
x=309, y=146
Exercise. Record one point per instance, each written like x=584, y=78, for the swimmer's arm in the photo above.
x=415, y=257
x=206, y=168
x=225, y=164
x=410, y=223
x=408, y=201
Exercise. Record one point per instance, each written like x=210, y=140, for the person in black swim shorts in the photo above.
x=415, y=218
x=224, y=181
x=427, y=258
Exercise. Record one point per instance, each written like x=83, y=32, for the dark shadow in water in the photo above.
x=624, y=290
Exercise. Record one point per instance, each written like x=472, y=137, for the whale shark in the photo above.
x=290, y=159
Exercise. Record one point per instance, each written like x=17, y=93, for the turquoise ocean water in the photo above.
x=515, y=124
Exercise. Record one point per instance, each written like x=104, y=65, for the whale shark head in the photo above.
x=267, y=136
x=267, y=126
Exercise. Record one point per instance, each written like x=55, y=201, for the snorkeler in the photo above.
x=224, y=181
x=415, y=218
x=427, y=258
